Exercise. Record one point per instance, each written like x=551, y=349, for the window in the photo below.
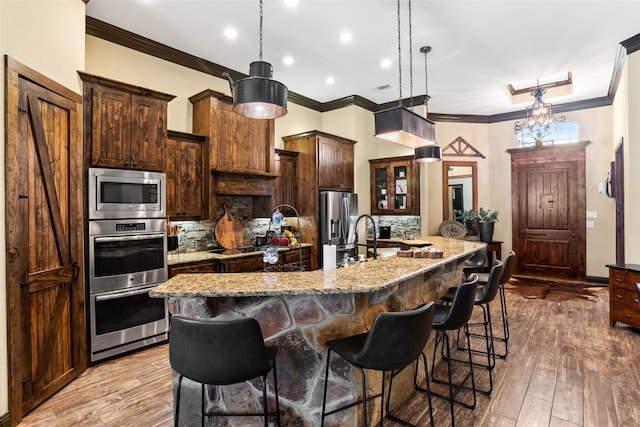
x=553, y=134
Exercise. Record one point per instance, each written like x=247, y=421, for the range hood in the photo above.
x=242, y=184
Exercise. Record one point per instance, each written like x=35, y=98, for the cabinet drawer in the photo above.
x=195, y=268
x=623, y=295
x=624, y=314
x=631, y=280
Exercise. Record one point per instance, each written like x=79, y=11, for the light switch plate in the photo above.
x=591, y=224
x=592, y=214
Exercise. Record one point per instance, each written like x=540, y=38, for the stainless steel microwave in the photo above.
x=120, y=193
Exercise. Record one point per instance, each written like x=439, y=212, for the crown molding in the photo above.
x=103, y=30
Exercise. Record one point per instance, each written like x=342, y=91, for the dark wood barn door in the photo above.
x=549, y=203
x=47, y=336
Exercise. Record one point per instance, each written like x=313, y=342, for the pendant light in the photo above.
x=427, y=153
x=399, y=124
x=259, y=96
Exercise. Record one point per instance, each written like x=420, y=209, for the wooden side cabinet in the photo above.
x=184, y=164
x=125, y=126
x=395, y=186
x=623, y=297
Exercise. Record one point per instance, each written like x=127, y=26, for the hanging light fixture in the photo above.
x=539, y=115
x=399, y=124
x=259, y=96
x=427, y=153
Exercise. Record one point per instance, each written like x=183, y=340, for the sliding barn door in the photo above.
x=47, y=337
x=549, y=201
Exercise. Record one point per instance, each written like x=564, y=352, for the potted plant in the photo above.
x=469, y=218
x=486, y=221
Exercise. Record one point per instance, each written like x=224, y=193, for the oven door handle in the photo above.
x=129, y=237
x=117, y=295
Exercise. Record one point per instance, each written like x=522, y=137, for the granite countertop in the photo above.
x=370, y=276
x=187, y=257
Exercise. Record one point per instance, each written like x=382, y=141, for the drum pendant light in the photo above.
x=399, y=124
x=427, y=153
x=259, y=96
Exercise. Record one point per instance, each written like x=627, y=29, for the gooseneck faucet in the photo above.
x=375, y=238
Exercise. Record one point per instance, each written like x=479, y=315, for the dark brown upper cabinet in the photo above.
x=395, y=186
x=125, y=126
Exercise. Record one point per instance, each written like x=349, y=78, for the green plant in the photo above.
x=464, y=216
x=487, y=215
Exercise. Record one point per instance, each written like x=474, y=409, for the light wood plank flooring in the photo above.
x=566, y=367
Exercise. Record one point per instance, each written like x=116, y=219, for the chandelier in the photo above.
x=539, y=116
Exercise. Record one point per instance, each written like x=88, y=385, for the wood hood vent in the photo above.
x=242, y=184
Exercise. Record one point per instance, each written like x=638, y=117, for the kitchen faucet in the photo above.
x=375, y=238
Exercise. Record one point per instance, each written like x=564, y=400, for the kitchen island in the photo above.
x=300, y=311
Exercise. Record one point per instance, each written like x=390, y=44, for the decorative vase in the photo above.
x=486, y=231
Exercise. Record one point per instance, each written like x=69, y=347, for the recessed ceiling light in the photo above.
x=385, y=63
x=288, y=60
x=330, y=80
x=291, y=3
x=230, y=33
x=345, y=37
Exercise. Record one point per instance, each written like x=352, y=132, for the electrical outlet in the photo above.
x=591, y=224
x=592, y=214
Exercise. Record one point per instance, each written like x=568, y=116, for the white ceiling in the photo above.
x=478, y=46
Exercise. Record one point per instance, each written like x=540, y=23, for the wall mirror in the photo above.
x=459, y=187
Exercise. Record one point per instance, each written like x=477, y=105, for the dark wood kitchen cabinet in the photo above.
x=325, y=162
x=184, y=165
x=192, y=267
x=254, y=262
x=285, y=185
x=237, y=144
x=395, y=186
x=125, y=126
x=624, y=304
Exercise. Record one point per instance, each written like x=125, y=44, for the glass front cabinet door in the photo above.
x=395, y=186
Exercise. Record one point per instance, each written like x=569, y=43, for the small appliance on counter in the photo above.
x=385, y=231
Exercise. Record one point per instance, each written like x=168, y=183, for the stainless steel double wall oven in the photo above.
x=127, y=250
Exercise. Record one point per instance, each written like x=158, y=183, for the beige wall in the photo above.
x=632, y=152
x=48, y=36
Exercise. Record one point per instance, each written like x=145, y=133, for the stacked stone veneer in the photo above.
x=299, y=326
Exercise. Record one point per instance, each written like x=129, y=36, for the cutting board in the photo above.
x=229, y=231
x=414, y=243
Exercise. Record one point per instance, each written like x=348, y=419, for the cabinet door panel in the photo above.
x=148, y=133
x=327, y=163
x=111, y=123
x=171, y=162
x=191, y=178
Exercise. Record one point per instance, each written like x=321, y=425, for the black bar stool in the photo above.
x=214, y=352
x=507, y=270
x=483, y=298
x=395, y=340
x=451, y=318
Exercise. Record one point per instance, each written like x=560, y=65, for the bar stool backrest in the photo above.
x=478, y=259
x=396, y=339
x=507, y=268
x=493, y=283
x=217, y=352
x=462, y=305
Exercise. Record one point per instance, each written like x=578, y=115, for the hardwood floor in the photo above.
x=566, y=367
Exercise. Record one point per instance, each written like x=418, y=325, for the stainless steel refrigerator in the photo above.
x=338, y=215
